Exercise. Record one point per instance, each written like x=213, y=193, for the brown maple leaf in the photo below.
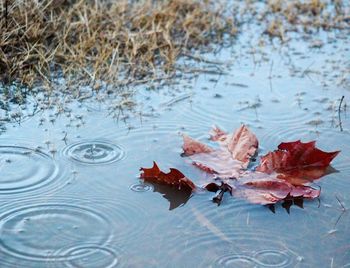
x=242, y=144
x=232, y=156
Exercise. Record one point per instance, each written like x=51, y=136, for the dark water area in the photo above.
x=70, y=192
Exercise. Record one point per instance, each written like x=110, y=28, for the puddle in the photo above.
x=70, y=194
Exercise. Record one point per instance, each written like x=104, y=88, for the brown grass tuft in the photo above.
x=89, y=40
x=307, y=16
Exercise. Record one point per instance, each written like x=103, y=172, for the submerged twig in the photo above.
x=343, y=209
x=201, y=59
x=65, y=137
x=305, y=72
x=270, y=73
x=339, y=117
x=219, y=71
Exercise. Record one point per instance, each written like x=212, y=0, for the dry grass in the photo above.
x=307, y=16
x=87, y=40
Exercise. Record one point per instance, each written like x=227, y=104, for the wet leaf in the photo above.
x=260, y=188
x=283, y=175
x=174, y=178
x=192, y=146
x=232, y=156
x=297, y=162
x=292, y=155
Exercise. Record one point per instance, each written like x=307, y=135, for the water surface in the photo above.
x=70, y=194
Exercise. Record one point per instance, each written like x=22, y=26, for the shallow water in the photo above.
x=70, y=194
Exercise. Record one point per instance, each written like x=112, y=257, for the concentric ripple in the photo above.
x=235, y=261
x=141, y=187
x=94, y=152
x=81, y=232
x=34, y=232
x=234, y=249
x=263, y=258
x=206, y=232
x=92, y=256
x=23, y=169
x=272, y=258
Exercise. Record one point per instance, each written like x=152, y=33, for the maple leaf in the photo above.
x=232, y=156
x=260, y=188
x=174, y=186
x=174, y=178
x=297, y=162
x=282, y=175
x=242, y=144
x=192, y=146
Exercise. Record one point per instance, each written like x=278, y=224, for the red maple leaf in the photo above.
x=282, y=174
x=174, y=178
x=297, y=162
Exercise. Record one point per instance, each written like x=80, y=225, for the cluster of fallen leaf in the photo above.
x=284, y=174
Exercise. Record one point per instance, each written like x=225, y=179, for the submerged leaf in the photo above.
x=230, y=159
x=242, y=144
x=219, y=162
x=217, y=134
x=192, y=146
x=261, y=188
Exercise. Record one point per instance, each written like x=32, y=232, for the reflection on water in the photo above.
x=175, y=197
x=85, y=207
